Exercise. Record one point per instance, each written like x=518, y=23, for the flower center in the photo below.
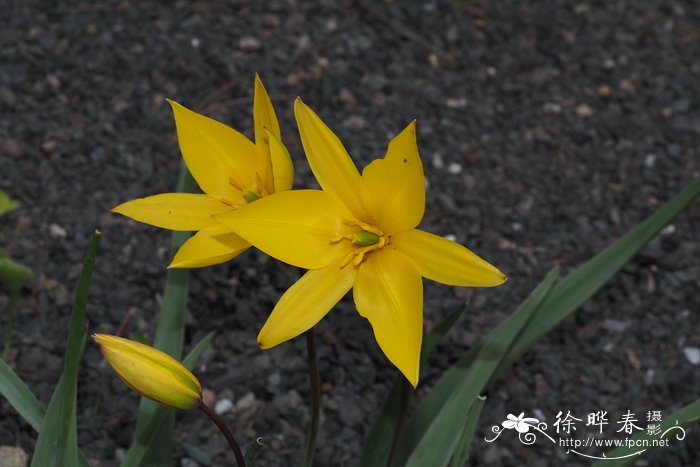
x=368, y=239
x=248, y=195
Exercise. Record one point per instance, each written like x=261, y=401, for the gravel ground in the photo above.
x=547, y=130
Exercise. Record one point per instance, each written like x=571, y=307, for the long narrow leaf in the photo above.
x=459, y=458
x=169, y=338
x=57, y=442
x=20, y=397
x=23, y=400
x=379, y=438
x=581, y=284
x=435, y=442
x=672, y=427
x=563, y=300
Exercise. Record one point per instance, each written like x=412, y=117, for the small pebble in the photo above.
x=437, y=161
x=604, y=91
x=246, y=401
x=454, y=168
x=692, y=354
x=13, y=456
x=584, y=110
x=208, y=397
x=551, y=108
x=223, y=406
x=294, y=399
x=57, y=231
x=649, y=160
x=249, y=43
x=451, y=237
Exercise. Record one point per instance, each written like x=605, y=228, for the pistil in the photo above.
x=369, y=239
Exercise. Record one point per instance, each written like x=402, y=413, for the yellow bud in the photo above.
x=150, y=372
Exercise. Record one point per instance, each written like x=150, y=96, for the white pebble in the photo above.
x=451, y=237
x=649, y=160
x=57, y=231
x=692, y=354
x=223, y=406
x=454, y=168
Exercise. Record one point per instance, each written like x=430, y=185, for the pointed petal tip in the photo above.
x=263, y=343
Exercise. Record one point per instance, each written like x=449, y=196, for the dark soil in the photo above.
x=547, y=130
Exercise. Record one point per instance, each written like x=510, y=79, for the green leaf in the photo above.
x=139, y=448
x=14, y=275
x=252, y=453
x=23, y=400
x=20, y=396
x=459, y=458
x=379, y=438
x=433, y=434
x=169, y=338
x=682, y=419
x=57, y=442
x=581, y=284
x=6, y=204
x=191, y=359
x=564, y=298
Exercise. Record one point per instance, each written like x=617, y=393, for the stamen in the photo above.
x=235, y=184
x=364, y=226
x=342, y=237
x=261, y=185
x=229, y=202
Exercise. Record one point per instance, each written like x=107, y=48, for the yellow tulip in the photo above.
x=230, y=169
x=150, y=372
x=360, y=233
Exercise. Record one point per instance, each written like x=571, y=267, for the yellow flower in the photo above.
x=230, y=169
x=150, y=372
x=359, y=232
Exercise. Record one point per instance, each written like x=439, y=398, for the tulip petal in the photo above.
x=329, y=161
x=150, y=372
x=389, y=293
x=174, y=211
x=215, y=153
x=445, y=261
x=282, y=167
x=213, y=245
x=293, y=226
x=306, y=302
x=264, y=113
x=393, y=188
x=265, y=120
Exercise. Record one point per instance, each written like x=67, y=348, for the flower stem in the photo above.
x=315, y=398
x=240, y=462
x=10, y=325
x=400, y=420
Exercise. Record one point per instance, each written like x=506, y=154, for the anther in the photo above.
x=228, y=202
x=235, y=184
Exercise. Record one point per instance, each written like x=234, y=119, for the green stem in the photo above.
x=400, y=420
x=315, y=398
x=240, y=461
x=9, y=329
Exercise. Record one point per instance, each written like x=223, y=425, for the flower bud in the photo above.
x=150, y=372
